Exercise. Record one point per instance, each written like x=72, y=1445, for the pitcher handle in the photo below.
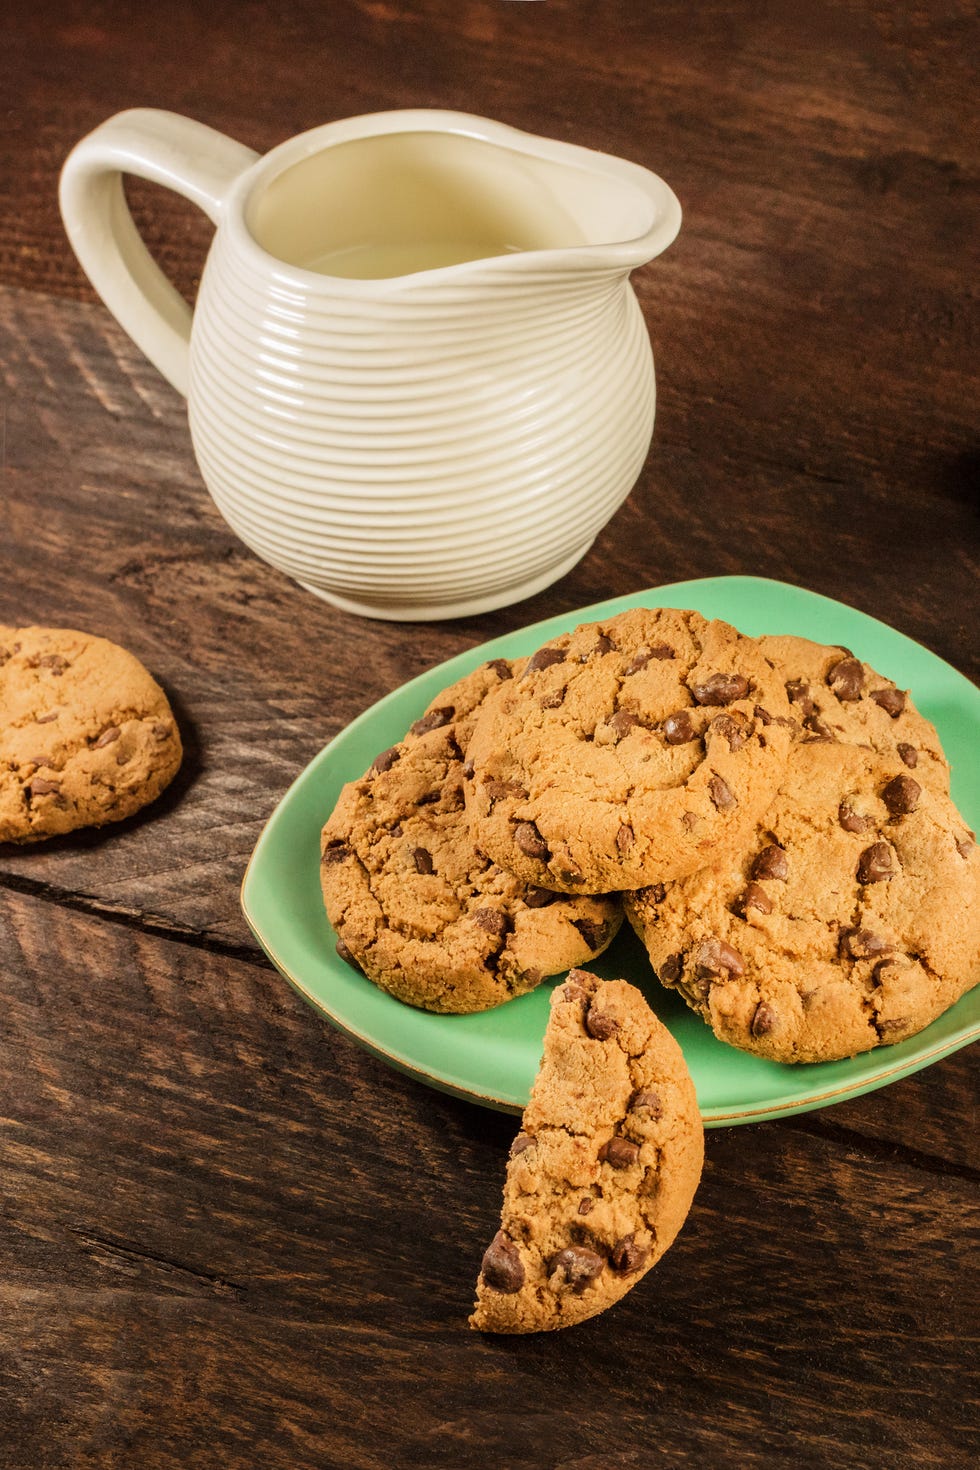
x=164, y=148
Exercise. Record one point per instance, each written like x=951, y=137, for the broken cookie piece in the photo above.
x=603, y=1172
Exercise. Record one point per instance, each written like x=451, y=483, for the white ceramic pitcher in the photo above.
x=418, y=379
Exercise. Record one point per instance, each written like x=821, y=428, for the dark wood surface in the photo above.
x=229, y=1237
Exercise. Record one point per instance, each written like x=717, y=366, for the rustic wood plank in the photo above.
x=229, y=1237
x=217, y=1210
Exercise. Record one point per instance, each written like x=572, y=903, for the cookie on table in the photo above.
x=86, y=734
x=835, y=696
x=850, y=920
x=604, y=1169
x=629, y=750
x=421, y=910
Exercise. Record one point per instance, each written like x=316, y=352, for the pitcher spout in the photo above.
x=419, y=191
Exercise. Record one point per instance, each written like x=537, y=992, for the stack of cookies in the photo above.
x=772, y=815
x=773, y=818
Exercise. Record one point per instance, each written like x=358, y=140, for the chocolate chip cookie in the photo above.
x=421, y=910
x=849, y=921
x=604, y=1169
x=627, y=751
x=836, y=697
x=86, y=734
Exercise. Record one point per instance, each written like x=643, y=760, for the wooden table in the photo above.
x=230, y=1237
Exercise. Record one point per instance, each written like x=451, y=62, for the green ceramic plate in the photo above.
x=492, y=1057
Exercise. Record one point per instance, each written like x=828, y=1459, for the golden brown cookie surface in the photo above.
x=836, y=697
x=86, y=734
x=850, y=920
x=627, y=750
x=604, y=1169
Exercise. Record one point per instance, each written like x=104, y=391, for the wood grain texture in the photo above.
x=229, y=1238
x=219, y=1214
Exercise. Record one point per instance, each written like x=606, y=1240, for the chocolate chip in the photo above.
x=797, y=692
x=521, y=1142
x=469, y=770
x=771, y=862
x=730, y=728
x=755, y=897
x=492, y=921
x=385, y=760
x=965, y=845
x=762, y=715
x=429, y=799
x=500, y=790
x=565, y=866
x=639, y=661
x=501, y=668
x=45, y=719
x=622, y=722
x=539, y=898
x=901, y=796
x=585, y=1206
x=502, y=1269
x=162, y=732
x=592, y=931
x=422, y=859
x=433, y=720
x=54, y=662
x=41, y=786
x=647, y=1101
x=531, y=843
x=552, y=700
x=851, y=821
x=876, y=863
x=543, y=659
x=579, y=1266
x=655, y=893
x=626, y=1256
x=893, y=1024
x=600, y=1025
x=892, y=701
x=345, y=954
x=862, y=944
x=570, y=991
x=671, y=969
x=619, y=1153
x=720, y=689
x=817, y=730
x=763, y=1020
x=122, y=758
x=336, y=851
x=689, y=820
x=644, y=654
x=678, y=729
x=846, y=679
x=714, y=957
x=604, y=644
x=625, y=838
x=109, y=734
x=721, y=794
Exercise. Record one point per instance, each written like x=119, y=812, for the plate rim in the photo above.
x=713, y=1116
